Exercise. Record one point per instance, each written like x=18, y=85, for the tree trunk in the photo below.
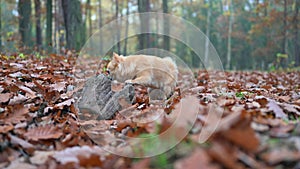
x=58, y=10
x=49, y=18
x=38, y=29
x=89, y=16
x=126, y=29
x=229, y=35
x=283, y=62
x=296, y=33
x=100, y=25
x=144, y=39
x=0, y=27
x=207, y=33
x=73, y=23
x=24, y=9
x=60, y=33
x=166, y=44
x=284, y=30
x=119, y=29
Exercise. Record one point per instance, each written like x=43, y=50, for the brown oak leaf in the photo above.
x=43, y=133
x=273, y=106
x=4, y=97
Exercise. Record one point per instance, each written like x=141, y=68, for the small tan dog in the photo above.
x=150, y=71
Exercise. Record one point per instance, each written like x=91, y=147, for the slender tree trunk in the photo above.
x=218, y=33
x=73, y=23
x=126, y=29
x=0, y=27
x=58, y=22
x=207, y=33
x=118, y=24
x=100, y=25
x=144, y=39
x=86, y=14
x=24, y=9
x=229, y=35
x=166, y=44
x=49, y=18
x=57, y=25
x=284, y=30
x=37, y=4
x=55, y=39
x=283, y=63
x=89, y=17
x=296, y=33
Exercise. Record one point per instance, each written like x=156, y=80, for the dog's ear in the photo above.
x=117, y=57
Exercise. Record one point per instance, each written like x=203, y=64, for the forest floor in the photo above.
x=40, y=125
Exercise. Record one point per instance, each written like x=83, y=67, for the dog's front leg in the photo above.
x=141, y=80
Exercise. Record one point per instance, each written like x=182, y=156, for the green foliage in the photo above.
x=160, y=161
x=273, y=141
x=106, y=58
x=281, y=56
x=22, y=56
x=272, y=68
x=278, y=66
x=240, y=95
x=104, y=69
x=8, y=57
x=38, y=55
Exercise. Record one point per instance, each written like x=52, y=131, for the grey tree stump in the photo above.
x=98, y=100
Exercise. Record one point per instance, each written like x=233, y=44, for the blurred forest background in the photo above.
x=247, y=34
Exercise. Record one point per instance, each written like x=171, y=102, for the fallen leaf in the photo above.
x=260, y=127
x=60, y=86
x=279, y=155
x=236, y=128
x=17, y=65
x=17, y=115
x=29, y=93
x=250, y=161
x=5, y=128
x=18, y=164
x=242, y=135
x=197, y=159
x=18, y=141
x=4, y=97
x=273, y=106
x=224, y=154
x=64, y=103
x=40, y=157
x=290, y=108
x=17, y=99
x=43, y=133
x=78, y=154
x=143, y=163
x=261, y=100
x=282, y=131
x=16, y=75
x=284, y=98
